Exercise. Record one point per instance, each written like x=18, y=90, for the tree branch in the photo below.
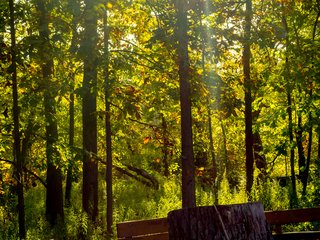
x=26, y=170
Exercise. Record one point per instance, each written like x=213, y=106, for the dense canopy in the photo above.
x=122, y=110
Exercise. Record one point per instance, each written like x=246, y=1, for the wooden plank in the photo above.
x=297, y=235
x=161, y=236
x=142, y=227
x=293, y=216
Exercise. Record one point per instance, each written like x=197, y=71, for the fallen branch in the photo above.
x=124, y=171
x=150, y=182
x=145, y=174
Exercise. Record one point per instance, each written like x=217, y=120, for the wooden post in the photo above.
x=222, y=222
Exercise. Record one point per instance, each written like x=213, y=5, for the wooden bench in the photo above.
x=157, y=229
x=278, y=218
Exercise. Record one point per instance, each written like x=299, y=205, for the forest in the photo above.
x=117, y=110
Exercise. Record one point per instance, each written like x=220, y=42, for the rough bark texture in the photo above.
x=89, y=117
x=310, y=118
x=18, y=157
x=299, y=139
x=248, y=98
x=236, y=222
x=293, y=198
x=71, y=108
x=188, y=181
x=213, y=158
x=259, y=157
x=165, y=149
x=71, y=144
x=108, y=131
x=54, y=195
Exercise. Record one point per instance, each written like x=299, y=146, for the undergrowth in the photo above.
x=134, y=201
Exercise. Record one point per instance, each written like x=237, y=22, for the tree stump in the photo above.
x=222, y=222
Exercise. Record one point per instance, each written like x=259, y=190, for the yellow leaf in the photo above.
x=109, y=5
x=146, y=140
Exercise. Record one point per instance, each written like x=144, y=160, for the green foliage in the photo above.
x=145, y=111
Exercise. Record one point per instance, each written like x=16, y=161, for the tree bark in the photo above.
x=293, y=194
x=165, y=149
x=71, y=109
x=54, y=196
x=108, y=128
x=301, y=157
x=213, y=158
x=259, y=157
x=18, y=157
x=89, y=107
x=71, y=144
x=310, y=118
x=188, y=179
x=241, y=222
x=248, y=98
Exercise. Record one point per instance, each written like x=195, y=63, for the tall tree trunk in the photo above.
x=211, y=145
x=248, y=98
x=71, y=108
x=301, y=157
x=71, y=145
x=310, y=119
x=108, y=126
x=54, y=196
x=213, y=158
x=225, y=164
x=18, y=158
x=293, y=197
x=259, y=157
x=165, y=150
x=306, y=175
x=188, y=179
x=89, y=107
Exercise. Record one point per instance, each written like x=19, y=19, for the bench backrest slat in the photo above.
x=293, y=216
x=142, y=228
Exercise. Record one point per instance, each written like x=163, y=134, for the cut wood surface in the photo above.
x=238, y=221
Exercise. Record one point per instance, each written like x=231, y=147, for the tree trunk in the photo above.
x=259, y=157
x=301, y=157
x=293, y=194
x=225, y=164
x=241, y=222
x=310, y=118
x=293, y=198
x=213, y=158
x=71, y=108
x=248, y=98
x=18, y=158
x=54, y=196
x=188, y=179
x=165, y=150
x=108, y=128
x=210, y=135
x=89, y=107
x=71, y=144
